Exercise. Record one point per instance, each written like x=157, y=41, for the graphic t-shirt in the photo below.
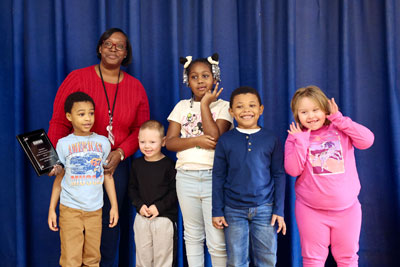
x=83, y=158
x=326, y=154
x=188, y=115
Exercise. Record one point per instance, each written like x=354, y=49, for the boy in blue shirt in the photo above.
x=80, y=186
x=248, y=187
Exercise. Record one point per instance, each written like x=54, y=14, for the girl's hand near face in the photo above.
x=333, y=106
x=295, y=128
x=211, y=95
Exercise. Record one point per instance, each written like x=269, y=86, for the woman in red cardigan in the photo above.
x=121, y=107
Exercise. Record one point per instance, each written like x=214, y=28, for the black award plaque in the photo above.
x=40, y=151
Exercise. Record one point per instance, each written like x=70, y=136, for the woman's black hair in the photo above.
x=106, y=35
x=76, y=97
x=244, y=90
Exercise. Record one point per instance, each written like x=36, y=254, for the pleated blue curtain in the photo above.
x=348, y=48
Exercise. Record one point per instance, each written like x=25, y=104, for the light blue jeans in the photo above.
x=194, y=190
x=250, y=228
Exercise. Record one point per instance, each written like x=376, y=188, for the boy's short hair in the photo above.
x=76, y=97
x=244, y=90
x=153, y=125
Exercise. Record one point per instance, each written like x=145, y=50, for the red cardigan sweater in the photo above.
x=131, y=108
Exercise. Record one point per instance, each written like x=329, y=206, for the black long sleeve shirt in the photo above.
x=153, y=182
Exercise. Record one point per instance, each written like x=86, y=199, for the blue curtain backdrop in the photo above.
x=351, y=49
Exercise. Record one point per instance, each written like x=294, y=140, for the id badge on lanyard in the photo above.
x=109, y=128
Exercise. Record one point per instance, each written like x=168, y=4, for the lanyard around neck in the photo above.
x=110, y=112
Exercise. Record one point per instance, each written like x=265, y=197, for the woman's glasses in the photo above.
x=109, y=45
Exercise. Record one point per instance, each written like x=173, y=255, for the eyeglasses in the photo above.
x=109, y=45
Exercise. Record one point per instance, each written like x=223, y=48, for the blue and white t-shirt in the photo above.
x=83, y=158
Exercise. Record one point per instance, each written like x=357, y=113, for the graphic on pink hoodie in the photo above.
x=326, y=155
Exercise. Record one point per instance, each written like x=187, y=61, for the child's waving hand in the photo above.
x=333, y=106
x=295, y=128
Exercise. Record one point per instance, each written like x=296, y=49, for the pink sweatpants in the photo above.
x=320, y=228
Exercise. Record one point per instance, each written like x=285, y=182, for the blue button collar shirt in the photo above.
x=248, y=172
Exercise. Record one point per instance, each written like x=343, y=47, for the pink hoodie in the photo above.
x=324, y=162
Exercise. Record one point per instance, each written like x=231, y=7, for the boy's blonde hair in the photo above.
x=154, y=125
x=313, y=92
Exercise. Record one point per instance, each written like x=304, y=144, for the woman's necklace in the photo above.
x=110, y=112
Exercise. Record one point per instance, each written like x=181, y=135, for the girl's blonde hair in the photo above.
x=313, y=92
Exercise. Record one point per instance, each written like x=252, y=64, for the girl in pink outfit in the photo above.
x=319, y=151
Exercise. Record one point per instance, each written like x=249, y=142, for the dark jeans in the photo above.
x=110, y=237
x=250, y=229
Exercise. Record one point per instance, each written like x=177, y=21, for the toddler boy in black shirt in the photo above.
x=152, y=191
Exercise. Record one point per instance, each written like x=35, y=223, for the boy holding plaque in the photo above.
x=79, y=186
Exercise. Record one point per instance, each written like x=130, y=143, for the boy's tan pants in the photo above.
x=80, y=235
x=154, y=241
